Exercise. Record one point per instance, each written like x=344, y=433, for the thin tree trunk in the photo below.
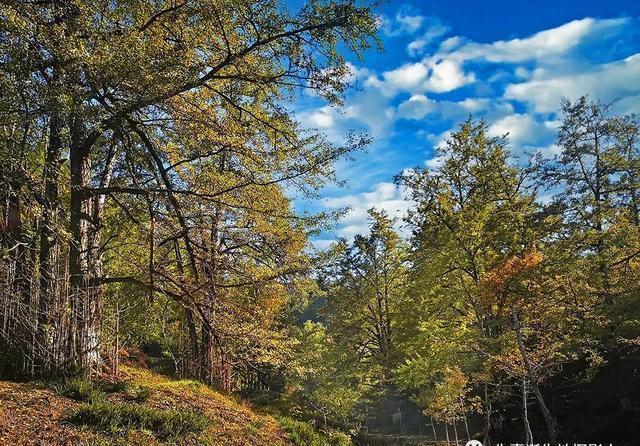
x=525, y=413
x=455, y=432
x=446, y=431
x=466, y=428
x=435, y=433
x=488, y=410
x=549, y=419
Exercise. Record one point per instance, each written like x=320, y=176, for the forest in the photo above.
x=150, y=159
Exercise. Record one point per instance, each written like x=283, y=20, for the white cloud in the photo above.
x=408, y=77
x=521, y=128
x=406, y=21
x=384, y=196
x=555, y=41
x=430, y=75
x=447, y=75
x=416, y=107
x=450, y=44
x=607, y=82
x=435, y=163
x=434, y=30
x=321, y=118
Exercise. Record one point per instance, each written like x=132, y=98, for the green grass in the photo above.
x=254, y=426
x=301, y=433
x=139, y=394
x=339, y=439
x=79, y=389
x=118, y=418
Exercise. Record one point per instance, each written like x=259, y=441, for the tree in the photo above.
x=364, y=291
x=323, y=380
x=120, y=89
x=594, y=181
x=473, y=213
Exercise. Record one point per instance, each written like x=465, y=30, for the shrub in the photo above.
x=79, y=389
x=113, y=386
x=122, y=417
x=337, y=438
x=301, y=433
x=304, y=434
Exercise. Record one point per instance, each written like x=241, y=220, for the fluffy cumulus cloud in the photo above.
x=384, y=196
x=542, y=45
x=429, y=75
x=515, y=85
x=608, y=82
x=408, y=77
x=521, y=129
x=433, y=30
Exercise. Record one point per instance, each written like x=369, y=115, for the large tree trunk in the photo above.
x=49, y=248
x=85, y=292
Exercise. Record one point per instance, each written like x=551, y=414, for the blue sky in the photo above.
x=508, y=62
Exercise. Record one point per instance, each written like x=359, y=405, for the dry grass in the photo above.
x=32, y=415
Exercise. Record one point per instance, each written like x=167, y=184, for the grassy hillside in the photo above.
x=144, y=408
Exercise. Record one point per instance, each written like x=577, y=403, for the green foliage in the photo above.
x=117, y=418
x=139, y=393
x=365, y=287
x=323, y=380
x=337, y=438
x=80, y=389
x=301, y=433
x=112, y=386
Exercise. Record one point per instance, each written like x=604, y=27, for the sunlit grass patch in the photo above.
x=119, y=418
x=301, y=433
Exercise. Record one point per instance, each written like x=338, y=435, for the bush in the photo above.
x=115, y=418
x=304, y=434
x=301, y=433
x=79, y=389
x=337, y=438
x=113, y=386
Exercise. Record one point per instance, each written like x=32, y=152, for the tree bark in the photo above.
x=549, y=419
x=525, y=414
x=85, y=295
x=48, y=346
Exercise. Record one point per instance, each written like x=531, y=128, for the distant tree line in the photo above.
x=514, y=270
